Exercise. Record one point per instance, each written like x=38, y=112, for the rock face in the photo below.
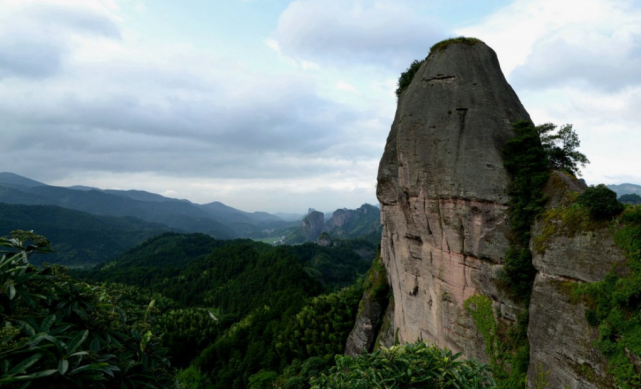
x=373, y=322
x=442, y=189
x=363, y=222
x=561, y=341
x=312, y=225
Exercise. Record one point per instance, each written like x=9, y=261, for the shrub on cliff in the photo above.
x=415, y=365
x=407, y=76
x=601, y=201
x=442, y=45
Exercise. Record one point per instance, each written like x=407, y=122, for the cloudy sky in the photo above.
x=280, y=105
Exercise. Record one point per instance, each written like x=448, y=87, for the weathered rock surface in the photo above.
x=561, y=341
x=373, y=309
x=442, y=189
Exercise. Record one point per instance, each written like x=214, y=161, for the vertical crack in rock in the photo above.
x=462, y=113
x=414, y=290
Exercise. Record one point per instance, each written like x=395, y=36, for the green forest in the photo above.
x=191, y=311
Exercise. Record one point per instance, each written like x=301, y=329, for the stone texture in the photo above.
x=373, y=308
x=442, y=189
x=386, y=333
x=561, y=341
x=365, y=331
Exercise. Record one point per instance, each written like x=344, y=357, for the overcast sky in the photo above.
x=284, y=105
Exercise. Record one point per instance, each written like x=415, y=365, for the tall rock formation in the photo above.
x=442, y=186
x=312, y=225
x=442, y=189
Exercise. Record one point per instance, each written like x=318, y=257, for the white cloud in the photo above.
x=111, y=110
x=577, y=62
x=345, y=86
x=374, y=33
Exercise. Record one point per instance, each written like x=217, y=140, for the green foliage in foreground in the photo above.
x=601, y=201
x=56, y=332
x=615, y=304
x=408, y=366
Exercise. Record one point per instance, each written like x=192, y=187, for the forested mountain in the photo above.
x=186, y=256
x=361, y=223
x=214, y=219
x=260, y=306
x=174, y=214
x=80, y=239
x=263, y=322
x=16, y=180
x=623, y=189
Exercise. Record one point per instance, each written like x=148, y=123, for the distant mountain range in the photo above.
x=215, y=219
x=623, y=189
x=361, y=223
x=90, y=225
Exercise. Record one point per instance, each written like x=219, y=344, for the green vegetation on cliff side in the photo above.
x=614, y=304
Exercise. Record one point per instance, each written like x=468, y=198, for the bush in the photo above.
x=410, y=365
x=407, y=76
x=313, y=367
x=56, y=332
x=601, y=201
x=297, y=382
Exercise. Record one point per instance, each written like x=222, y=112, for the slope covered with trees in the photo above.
x=79, y=238
x=240, y=307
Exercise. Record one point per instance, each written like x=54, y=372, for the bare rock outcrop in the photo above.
x=373, y=321
x=562, y=344
x=442, y=189
x=312, y=225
